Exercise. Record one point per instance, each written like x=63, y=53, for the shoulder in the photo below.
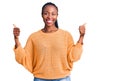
x=34, y=34
x=65, y=31
x=66, y=34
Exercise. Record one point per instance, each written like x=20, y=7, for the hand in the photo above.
x=82, y=29
x=16, y=31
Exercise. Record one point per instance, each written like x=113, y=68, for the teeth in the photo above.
x=49, y=21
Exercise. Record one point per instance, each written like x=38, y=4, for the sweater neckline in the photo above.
x=49, y=33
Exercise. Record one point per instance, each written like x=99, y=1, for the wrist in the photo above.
x=17, y=44
x=16, y=37
x=82, y=35
x=81, y=42
x=81, y=39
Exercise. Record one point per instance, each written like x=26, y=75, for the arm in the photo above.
x=75, y=51
x=23, y=55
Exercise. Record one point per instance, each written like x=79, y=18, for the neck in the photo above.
x=49, y=29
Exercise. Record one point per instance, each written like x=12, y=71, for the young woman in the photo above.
x=50, y=52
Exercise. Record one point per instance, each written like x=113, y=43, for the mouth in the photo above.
x=49, y=21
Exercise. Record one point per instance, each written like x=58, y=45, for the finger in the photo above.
x=14, y=26
x=84, y=24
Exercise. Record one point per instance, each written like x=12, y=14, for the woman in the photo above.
x=50, y=52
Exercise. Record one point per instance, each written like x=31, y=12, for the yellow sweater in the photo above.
x=49, y=55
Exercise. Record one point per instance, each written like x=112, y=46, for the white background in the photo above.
x=101, y=56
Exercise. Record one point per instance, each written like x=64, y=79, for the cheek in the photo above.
x=43, y=16
x=55, y=17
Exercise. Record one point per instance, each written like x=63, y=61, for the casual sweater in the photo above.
x=49, y=55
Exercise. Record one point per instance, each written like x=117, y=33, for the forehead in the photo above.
x=50, y=7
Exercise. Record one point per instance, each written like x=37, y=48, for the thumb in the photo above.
x=84, y=24
x=14, y=26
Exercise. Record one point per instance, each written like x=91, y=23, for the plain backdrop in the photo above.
x=100, y=60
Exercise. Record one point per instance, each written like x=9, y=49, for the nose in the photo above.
x=49, y=16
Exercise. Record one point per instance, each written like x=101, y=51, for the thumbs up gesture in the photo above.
x=16, y=31
x=82, y=29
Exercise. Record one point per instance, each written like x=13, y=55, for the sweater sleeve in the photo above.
x=24, y=56
x=74, y=50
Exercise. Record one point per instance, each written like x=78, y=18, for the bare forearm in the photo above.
x=17, y=43
x=81, y=39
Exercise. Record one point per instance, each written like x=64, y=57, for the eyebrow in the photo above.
x=49, y=12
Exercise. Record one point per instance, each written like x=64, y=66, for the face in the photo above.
x=49, y=15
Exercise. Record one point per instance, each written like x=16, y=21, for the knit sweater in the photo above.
x=49, y=55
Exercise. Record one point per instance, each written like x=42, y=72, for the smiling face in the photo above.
x=49, y=15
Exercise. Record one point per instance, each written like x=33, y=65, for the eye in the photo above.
x=45, y=13
x=54, y=14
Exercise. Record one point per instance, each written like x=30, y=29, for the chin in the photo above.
x=49, y=25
